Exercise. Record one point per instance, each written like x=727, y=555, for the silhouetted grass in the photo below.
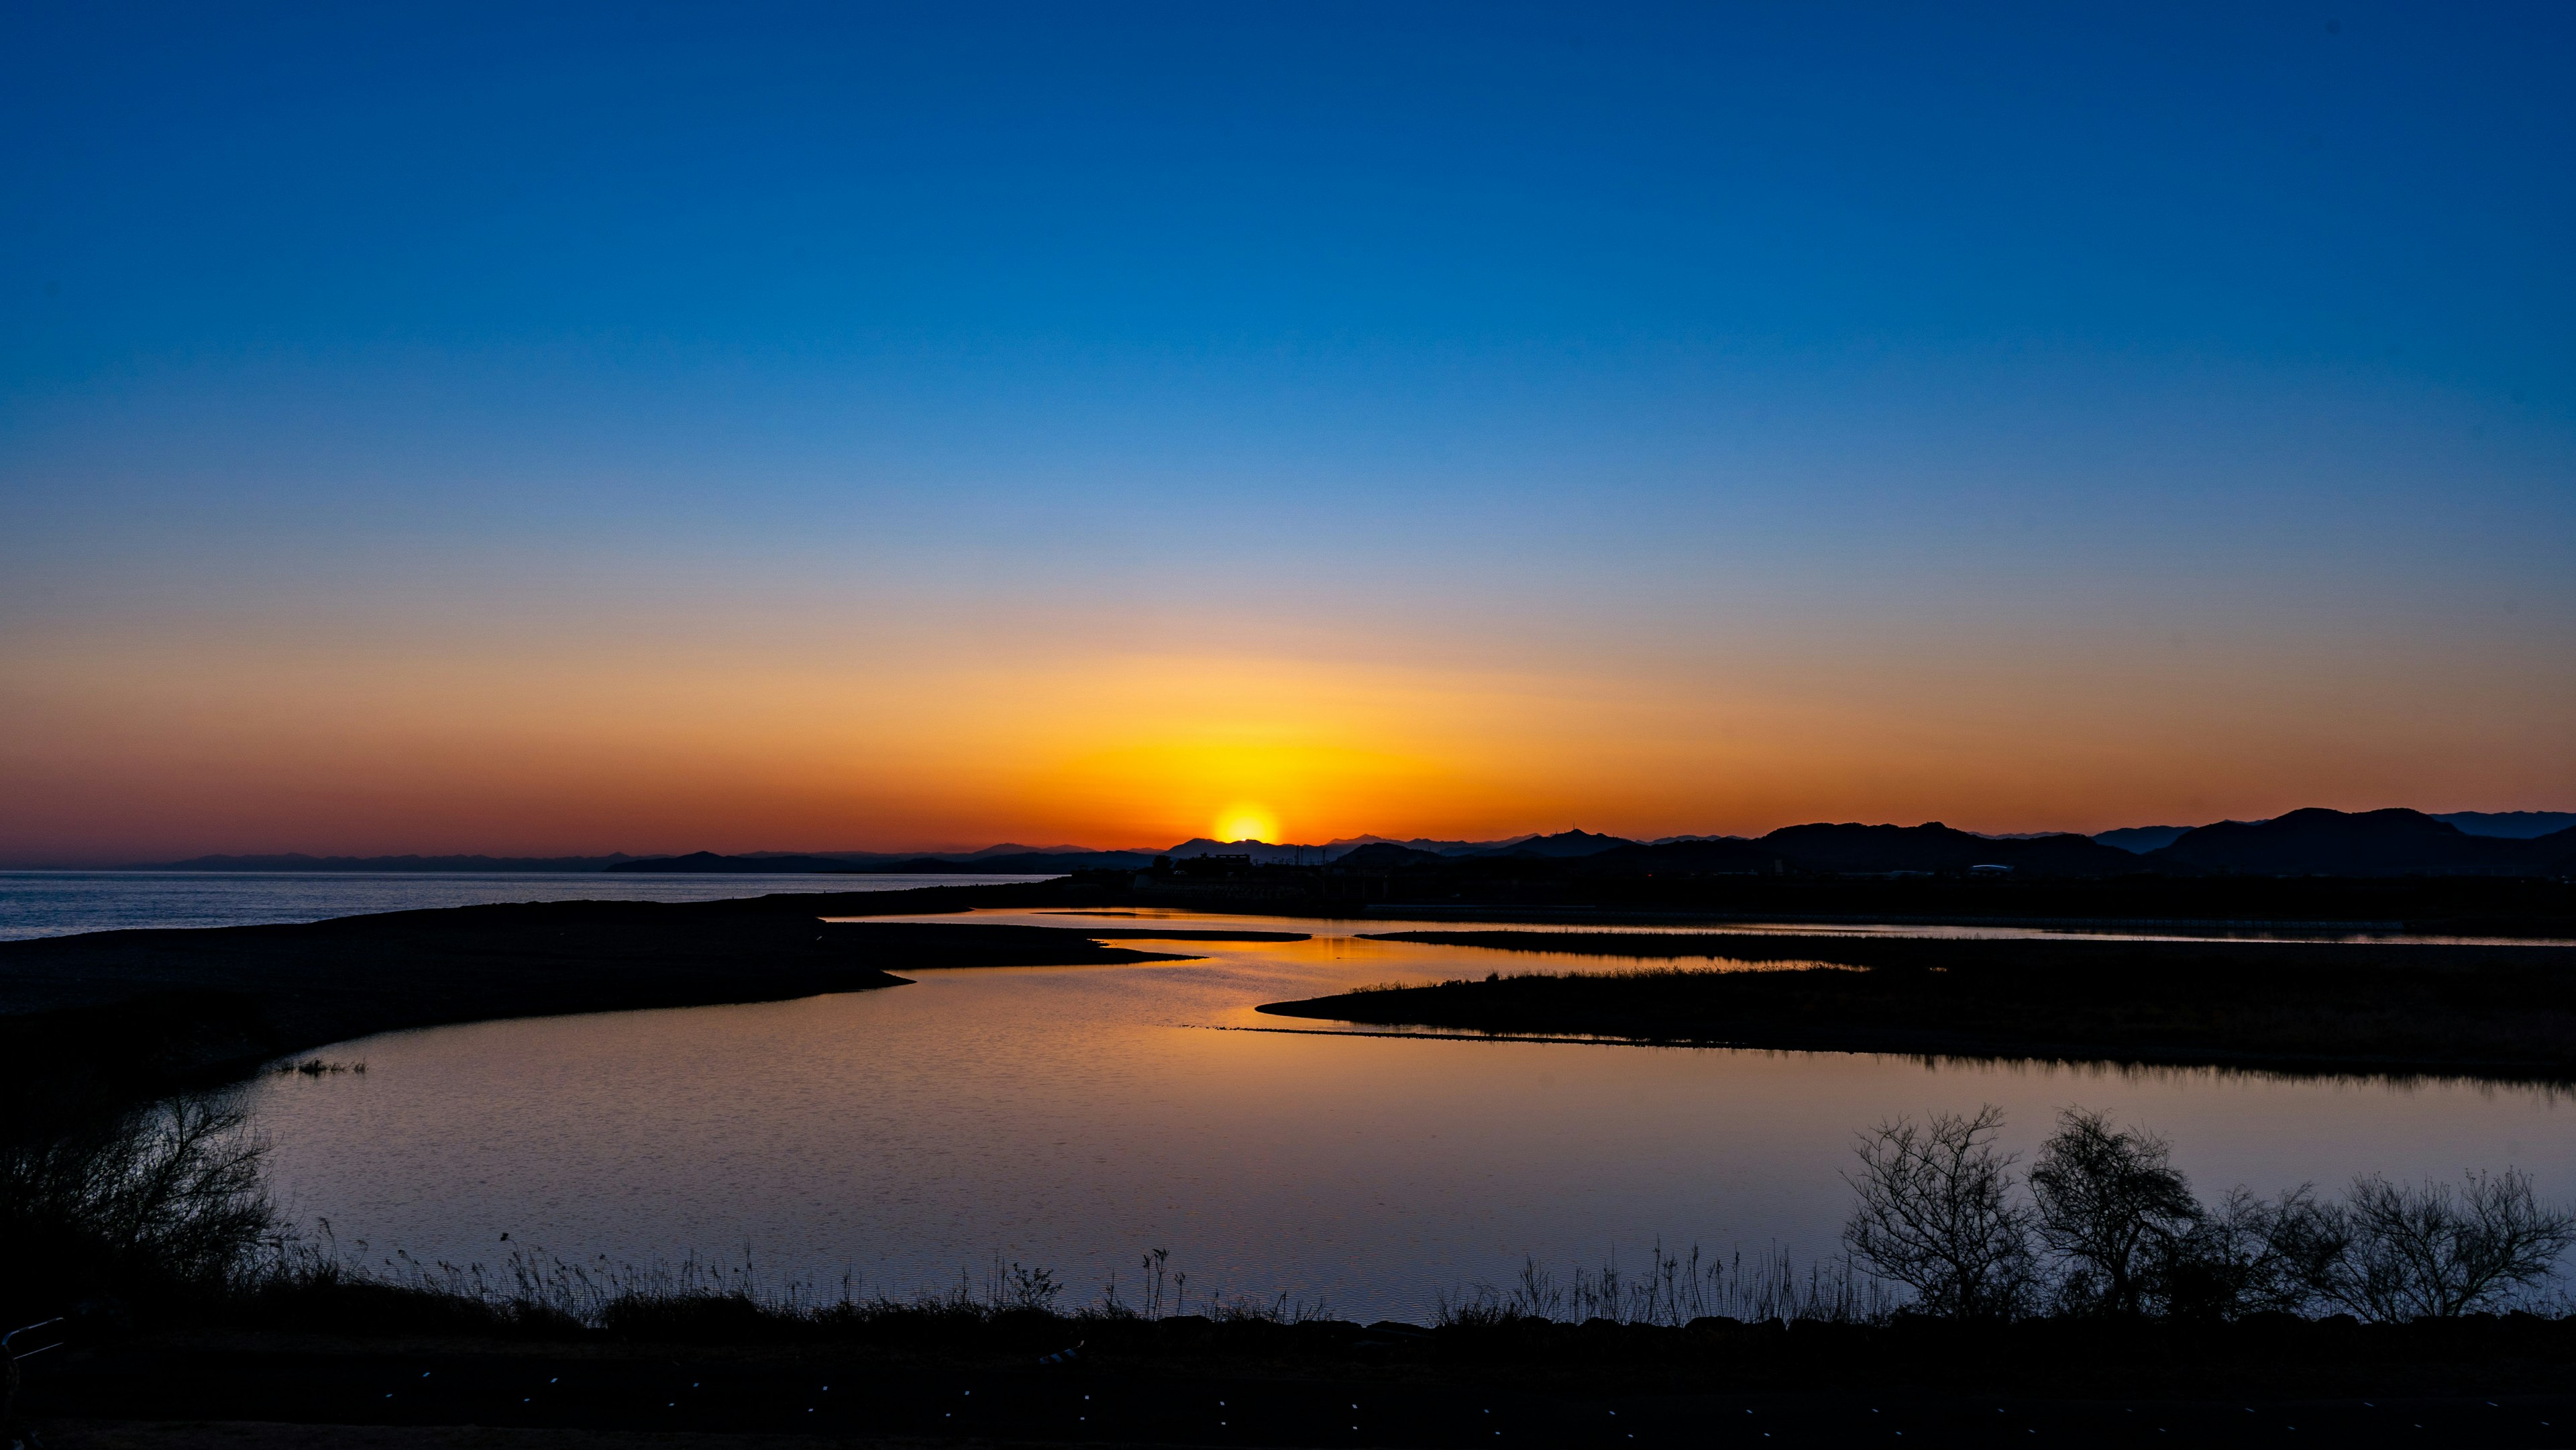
x=1683, y=1322
x=1677, y=1289
x=311, y=1284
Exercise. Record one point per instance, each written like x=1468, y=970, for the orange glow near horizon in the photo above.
x=676, y=743
x=1238, y=790
x=960, y=443
x=1247, y=821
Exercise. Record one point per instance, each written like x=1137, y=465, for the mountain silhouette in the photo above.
x=2309, y=842
x=1936, y=847
x=1261, y=852
x=1335, y=848
x=1386, y=855
x=709, y=861
x=2555, y=853
x=2319, y=842
x=1698, y=856
x=1562, y=844
x=2142, y=839
x=2514, y=825
x=1025, y=863
x=2505, y=825
x=1850, y=849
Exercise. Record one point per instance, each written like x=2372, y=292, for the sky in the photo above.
x=568, y=429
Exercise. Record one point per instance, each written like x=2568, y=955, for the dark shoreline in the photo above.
x=131, y=1014
x=2393, y=1009
x=160, y=1009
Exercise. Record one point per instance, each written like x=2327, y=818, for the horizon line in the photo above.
x=1068, y=848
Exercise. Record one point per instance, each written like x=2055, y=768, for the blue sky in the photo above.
x=1561, y=341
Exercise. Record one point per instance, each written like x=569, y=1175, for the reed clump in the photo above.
x=1677, y=1289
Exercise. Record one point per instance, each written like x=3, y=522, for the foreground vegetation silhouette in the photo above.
x=161, y=1209
x=2092, y=1294
x=2104, y=1224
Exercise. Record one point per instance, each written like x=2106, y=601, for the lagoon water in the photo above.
x=1073, y=1118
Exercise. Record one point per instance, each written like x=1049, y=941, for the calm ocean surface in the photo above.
x=1073, y=1118
x=53, y=903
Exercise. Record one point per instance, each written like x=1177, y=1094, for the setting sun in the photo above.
x=1246, y=822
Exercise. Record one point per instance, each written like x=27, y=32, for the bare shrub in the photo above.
x=2246, y=1255
x=2111, y=1203
x=148, y=1199
x=2397, y=1252
x=1937, y=1214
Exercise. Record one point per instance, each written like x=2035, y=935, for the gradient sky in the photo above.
x=643, y=428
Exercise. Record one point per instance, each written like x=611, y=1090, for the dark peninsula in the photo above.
x=151, y=1010
x=2483, y=1009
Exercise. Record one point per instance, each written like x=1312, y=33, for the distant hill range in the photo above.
x=1851, y=849
x=708, y=862
x=2366, y=843
x=1014, y=859
x=297, y=861
x=1263, y=853
x=1418, y=843
x=2512, y=825
x=2301, y=843
x=1022, y=862
x=2142, y=839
